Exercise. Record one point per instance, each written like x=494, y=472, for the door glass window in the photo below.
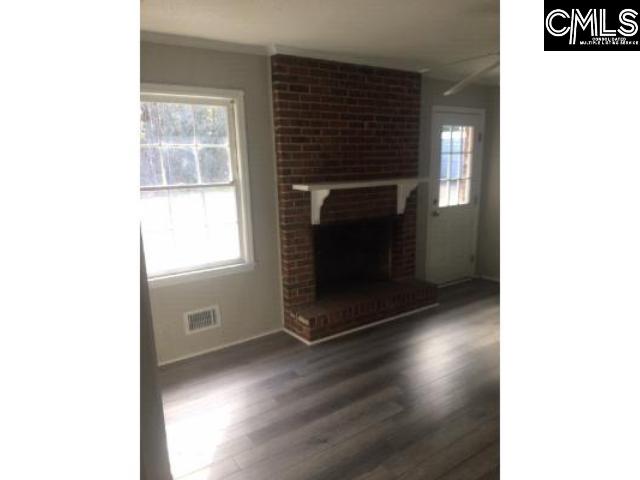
x=456, y=153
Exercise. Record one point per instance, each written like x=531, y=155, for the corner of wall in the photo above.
x=275, y=190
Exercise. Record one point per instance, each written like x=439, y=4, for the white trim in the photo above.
x=243, y=176
x=455, y=282
x=310, y=187
x=172, y=90
x=198, y=42
x=214, y=349
x=238, y=145
x=447, y=109
x=476, y=175
x=362, y=327
x=490, y=278
x=470, y=79
x=275, y=49
x=396, y=64
x=403, y=190
x=197, y=275
x=443, y=77
x=321, y=190
x=297, y=337
x=317, y=200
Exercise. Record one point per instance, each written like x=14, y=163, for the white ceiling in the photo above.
x=408, y=34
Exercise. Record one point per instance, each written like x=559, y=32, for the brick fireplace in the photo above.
x=353, y=263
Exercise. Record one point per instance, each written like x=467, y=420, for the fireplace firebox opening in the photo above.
x=350, y=254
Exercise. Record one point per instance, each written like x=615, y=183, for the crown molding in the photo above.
x=268, y=50
x=396, y=64
x=205, y=43
x=479, y=82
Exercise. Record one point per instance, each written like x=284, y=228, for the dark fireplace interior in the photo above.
x=348, y=254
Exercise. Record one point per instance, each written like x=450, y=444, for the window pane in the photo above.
x=180, y=165
x=463, y=192
x=148, y=123
x=180, y=233
x=176, y=123
x=445, y=139
x=225, y=241
x=466, y=165
x=159, y=251
x=211, y=124
x=187, y=209
x=220, y=204
x=456, y=139
x=150, y=167
x=467, y=139
x=453, y=192
x=444, y=193
x=193, y=248
x=445, y=159
x=455, y=165
x=215, y=164
x=155, y=211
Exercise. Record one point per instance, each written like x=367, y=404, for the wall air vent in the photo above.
x=203, y=319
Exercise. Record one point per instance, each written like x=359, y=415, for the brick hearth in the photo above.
x=342, y=122
x=358, y=306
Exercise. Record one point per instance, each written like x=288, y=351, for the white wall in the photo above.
x=489, y=227
x=474, y=96
x=154, y=456
x=250, y=302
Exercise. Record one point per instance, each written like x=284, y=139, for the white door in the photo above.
x=454, y=191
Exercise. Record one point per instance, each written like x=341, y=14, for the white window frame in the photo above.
x=237, y=142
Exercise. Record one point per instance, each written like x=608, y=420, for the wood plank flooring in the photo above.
x=417, y=398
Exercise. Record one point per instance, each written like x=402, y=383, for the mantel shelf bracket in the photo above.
x=404, y=190
x=320, y=191
x=317, y=200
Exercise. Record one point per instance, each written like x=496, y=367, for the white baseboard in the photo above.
x=219, y=347
x=489, y=277
x=297, y=337
x=454, y=282
x=306, y=342
x=362, y=327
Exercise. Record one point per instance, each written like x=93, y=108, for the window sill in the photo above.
x=193, y=276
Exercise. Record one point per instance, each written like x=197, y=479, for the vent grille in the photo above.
x=203, y=319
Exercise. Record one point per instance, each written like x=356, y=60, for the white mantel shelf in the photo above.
x=320, y=191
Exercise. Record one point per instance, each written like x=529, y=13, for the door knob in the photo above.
x=435, y=213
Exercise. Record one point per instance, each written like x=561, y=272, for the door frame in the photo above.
x=434, y=180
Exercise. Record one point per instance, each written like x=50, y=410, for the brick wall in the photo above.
x=337, y=122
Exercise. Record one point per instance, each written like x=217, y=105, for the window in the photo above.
x=193, y=181
x=456, y=153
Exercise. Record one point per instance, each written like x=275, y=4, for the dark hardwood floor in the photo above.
x=416, y=398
